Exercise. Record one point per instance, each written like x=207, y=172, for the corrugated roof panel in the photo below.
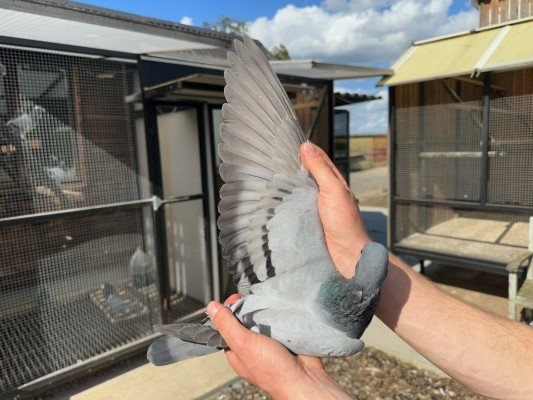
x=325, y=71
x=443, y=58
x=515, y=50
x=22, y=25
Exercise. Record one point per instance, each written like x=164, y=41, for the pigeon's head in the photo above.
x=371, y=269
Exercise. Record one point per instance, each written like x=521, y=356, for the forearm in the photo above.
x=488, y=354
x=322, y=387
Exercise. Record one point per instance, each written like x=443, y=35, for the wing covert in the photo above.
x=261, y=165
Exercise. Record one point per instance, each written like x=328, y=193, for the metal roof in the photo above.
x=325, y=71
x=344, y=99
x=499, y=48
x=81, y=26
x=75, y=24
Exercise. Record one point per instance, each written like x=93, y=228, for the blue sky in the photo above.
x=364, y=32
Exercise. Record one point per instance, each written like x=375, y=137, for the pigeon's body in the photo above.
x=271, y=232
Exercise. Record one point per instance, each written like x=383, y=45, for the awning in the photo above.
x=198, y=86
x=345, y=99
x=79, y=25
x=504, y=47
x=514, y=51
x=324, y=71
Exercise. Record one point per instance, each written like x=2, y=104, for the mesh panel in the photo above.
x=66, y=132
x=188, y=269
x=438, y=151
x=438, y=156
x=511, y=140
x=76, y=287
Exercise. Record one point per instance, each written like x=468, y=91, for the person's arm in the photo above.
x=490, y=355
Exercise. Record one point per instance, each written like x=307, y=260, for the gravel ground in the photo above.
x=372, y=374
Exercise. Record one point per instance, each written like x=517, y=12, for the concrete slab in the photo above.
x=190, y=379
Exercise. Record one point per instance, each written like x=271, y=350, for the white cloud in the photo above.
x=368, y=32
x=359, y=32
x=186, y=20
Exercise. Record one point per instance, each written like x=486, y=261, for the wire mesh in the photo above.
x=76, y=287
x=438, y=156
x=71, y=287
x=438, y=151
x=511, y=139
x=67, y=133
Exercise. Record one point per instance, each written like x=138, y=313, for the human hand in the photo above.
x=266, y=363
x=337, y=206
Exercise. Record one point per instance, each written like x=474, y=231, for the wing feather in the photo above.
x=261, y=165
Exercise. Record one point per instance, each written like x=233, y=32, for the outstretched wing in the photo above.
x=262, y=172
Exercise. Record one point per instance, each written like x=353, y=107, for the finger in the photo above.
x=311, y=362
x=236, y=363
x=332, y=167
x=235, y=334
x=232, y=299
x=315, y=162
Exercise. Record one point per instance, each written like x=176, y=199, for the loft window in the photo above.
x=46, y=126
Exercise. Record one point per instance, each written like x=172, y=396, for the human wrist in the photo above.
x=312, y=386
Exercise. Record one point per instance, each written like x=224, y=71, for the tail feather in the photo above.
x=170, y=350
x=195, y=333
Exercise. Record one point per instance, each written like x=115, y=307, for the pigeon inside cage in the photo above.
x=117, y=304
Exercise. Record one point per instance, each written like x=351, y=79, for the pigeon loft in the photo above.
x=461, y=164
x=109, y=175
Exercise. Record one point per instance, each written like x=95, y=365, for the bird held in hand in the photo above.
x=271, y=233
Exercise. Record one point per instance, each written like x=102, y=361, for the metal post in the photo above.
x=156, y=181
x=392, y=167
x=483, y=176
x=513, y=285
x=421, y=161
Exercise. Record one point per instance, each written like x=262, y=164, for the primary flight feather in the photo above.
x=271, y=234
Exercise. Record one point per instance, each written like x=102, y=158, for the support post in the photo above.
x=483, y=176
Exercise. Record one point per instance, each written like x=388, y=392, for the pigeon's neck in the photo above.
x=349, y=304
x=340, y=299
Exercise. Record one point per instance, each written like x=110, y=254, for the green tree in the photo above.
x=280, y=52
x=238, y=27
x=228, y=25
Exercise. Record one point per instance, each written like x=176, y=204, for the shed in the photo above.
x=108, y=179
x=461, y=118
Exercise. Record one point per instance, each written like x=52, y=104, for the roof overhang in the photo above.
x=74, y=24
x=500, y=48
x=325, y=71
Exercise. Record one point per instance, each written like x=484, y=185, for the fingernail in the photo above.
x=212, y=309
x=310, y=149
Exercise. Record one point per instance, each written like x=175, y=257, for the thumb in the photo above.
x=233, y=332
x=315, y=162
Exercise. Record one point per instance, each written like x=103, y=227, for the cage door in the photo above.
x=184, y=210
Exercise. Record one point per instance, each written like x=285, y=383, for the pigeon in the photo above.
x=27, y=122
x=271, y=234
x=116, y=306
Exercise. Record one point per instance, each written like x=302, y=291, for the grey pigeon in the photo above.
x=271, y=233
x=27, y=122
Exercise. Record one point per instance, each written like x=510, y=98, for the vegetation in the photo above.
x=238, y=27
